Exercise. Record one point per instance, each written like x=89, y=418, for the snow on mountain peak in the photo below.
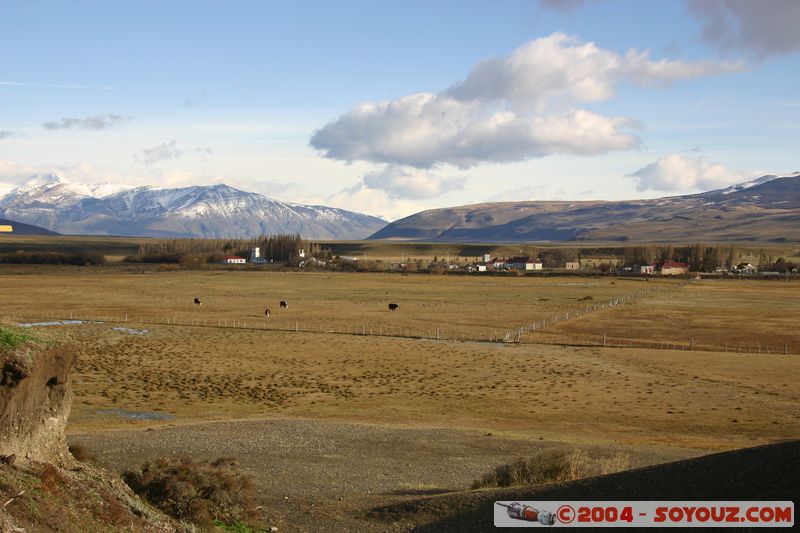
x=211, y=211
x=758, y=181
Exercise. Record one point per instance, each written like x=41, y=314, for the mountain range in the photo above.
x=766, y=209
x=216, y=211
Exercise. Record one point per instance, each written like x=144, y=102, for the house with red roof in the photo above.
x=673, y=268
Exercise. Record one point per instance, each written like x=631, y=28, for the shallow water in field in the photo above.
x=132, y=331
x=53, y=323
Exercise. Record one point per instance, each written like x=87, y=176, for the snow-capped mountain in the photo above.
x=217, y=211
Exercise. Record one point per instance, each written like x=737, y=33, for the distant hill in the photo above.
x=763, y=210
x=217, y=211
x=24, y=229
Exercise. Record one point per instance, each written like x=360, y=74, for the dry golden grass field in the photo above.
x=572, y=393
x=471, y=307
x=333, y=422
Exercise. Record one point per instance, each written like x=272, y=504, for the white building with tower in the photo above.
x=255, y=256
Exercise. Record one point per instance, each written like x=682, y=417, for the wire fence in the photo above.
x=534, y=333
x=515, y=335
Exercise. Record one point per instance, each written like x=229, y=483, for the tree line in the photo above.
x=702, y=257
x=280, y=248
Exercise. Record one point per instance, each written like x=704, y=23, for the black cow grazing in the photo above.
x=393, y=307
x=284, y=305
x=266, y=313
x=197, y=301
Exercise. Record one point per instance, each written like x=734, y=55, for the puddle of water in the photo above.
x=53, y=323
x=137, y=415
x=133, y=331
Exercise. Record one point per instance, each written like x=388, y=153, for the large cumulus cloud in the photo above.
x=507, y=109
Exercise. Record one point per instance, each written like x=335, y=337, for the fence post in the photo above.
x=604, y=339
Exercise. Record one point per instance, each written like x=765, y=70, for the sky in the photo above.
x=390, y=108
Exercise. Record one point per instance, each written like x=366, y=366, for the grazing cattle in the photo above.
x=266, y=313
x=197, y=301
x=284, y=305
x=392, y=307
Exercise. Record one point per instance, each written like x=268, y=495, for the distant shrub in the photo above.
x=200, y=492
x=53, y=258
x=551, y=467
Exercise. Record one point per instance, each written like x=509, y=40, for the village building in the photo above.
x=234, y=260
x=572, y=265
x=499, y=263
x=255, y=256
x=524, y=263
x=673, y=268
x=746, y=269
x=644, y=269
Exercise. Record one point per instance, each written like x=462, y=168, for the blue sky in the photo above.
x=394, y=107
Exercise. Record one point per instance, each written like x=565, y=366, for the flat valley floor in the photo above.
x=336, y=407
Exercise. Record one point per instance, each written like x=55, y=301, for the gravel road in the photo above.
x=322, y=476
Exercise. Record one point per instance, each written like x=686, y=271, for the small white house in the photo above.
x=234, y=260
x=481, y=268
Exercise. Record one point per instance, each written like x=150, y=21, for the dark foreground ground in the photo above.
x=770, y=472
x=326, y=476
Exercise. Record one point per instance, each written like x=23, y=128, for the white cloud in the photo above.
x=507, y=109
x=674, y=172
x=373, y=201
x=96, y=122
x=766, y=28
x=560, y=68
x=407, y=182
x=71, y=86
x=161, y=152
x=169, y=151
x=425, y=130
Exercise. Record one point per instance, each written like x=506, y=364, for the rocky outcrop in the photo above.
x=35, y=399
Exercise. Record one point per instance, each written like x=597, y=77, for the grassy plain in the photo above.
x=754, y=316
x=332, y=424
x=579, y=394
x=460, y=306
